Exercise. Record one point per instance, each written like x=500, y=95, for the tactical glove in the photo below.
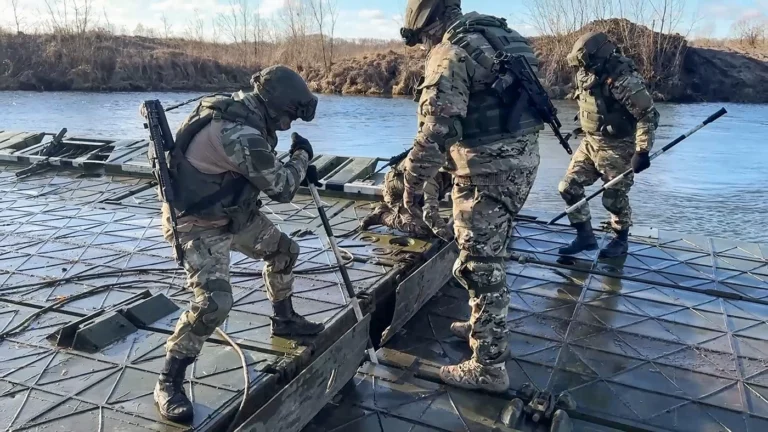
x=298, y=142
x=640, y=162
x=312, y=177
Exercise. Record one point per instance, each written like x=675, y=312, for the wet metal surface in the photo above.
x=385, y=399
x=95, y=231
x=682, y=355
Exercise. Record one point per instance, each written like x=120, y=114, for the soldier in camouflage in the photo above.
x=223, y=159
x=391, y=213
x=619, y=122
x=491, y=149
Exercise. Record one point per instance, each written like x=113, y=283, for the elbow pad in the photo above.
x=442, y=131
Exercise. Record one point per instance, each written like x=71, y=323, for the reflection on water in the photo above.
x=712, y=184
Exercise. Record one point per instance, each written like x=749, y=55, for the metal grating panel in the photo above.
x=637, y=352
x=93, y=234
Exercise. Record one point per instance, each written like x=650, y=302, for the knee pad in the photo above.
x=569, y=191
x=615, y=201
x=286, y=255
x=480, y=275
x=211, y=306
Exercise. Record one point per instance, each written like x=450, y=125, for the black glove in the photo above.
x=298, y=142
x=640, y=162
x=312, y=177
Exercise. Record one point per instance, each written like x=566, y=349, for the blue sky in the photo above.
x=363, y=18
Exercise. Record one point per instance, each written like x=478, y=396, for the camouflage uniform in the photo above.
x=493, y=164
x=223, y=159
x=391, y=213
x=207, y=248
x=601, y=157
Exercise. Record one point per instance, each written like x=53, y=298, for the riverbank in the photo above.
x=676, y=70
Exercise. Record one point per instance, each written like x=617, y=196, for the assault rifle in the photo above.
x=162, y=142
x=517, y=79
x=49, y=150
x=394, y=160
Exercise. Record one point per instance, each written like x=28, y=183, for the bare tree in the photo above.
x=108, y=27
x=750, y=31
x=195, y=29
x=70, y=15
x=16, y=18
x=167, y=26
x=296, y=21
x=236, y=22
x=325, y=14
x=83, y=15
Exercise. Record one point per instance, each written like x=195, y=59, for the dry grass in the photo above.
x=100, y=61
x=732, y=70
x=658, y=57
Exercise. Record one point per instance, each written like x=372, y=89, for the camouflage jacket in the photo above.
x=249, y=152
x=629, y=90
x=450, y=77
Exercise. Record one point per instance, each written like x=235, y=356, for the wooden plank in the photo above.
x=295, y=405
x=421, y=286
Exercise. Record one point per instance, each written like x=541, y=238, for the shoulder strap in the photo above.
x=231, y=110
x=484, y=25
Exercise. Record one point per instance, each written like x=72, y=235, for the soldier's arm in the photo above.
x=432, y=204
x=630, y=90
x=254, y=156
x=443, y=103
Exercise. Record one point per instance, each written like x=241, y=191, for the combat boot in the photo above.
x=374, y=218
x=618, y=247
x=474, y=376
x=287, y=322
x=461, y=329
x=169, y=390
x=585, y=240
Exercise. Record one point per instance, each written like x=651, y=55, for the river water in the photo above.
x=714, y=183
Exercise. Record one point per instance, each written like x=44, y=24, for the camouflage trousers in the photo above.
x=398, y=218
x=484, y=209
x=600, y=158
x=206, y=261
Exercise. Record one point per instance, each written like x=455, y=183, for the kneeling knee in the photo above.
x=569, y=191
x=212, y=306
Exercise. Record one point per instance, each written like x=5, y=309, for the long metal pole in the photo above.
x=342, y=269
x=666, y=148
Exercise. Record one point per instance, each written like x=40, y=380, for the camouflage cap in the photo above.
x=591, y=50
x=420, y=14
x=285, y=93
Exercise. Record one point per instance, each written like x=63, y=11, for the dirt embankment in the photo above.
x=675, y=69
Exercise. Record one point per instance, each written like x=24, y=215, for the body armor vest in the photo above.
x=599, y=112
x=488, y=118
x=210, y=196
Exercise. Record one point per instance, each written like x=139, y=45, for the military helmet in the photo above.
x=420, y=14
x=591, y=50
x=285, y=93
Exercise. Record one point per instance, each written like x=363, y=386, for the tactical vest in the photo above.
x=488, y=118
x=599, y=112
x=209, y=196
